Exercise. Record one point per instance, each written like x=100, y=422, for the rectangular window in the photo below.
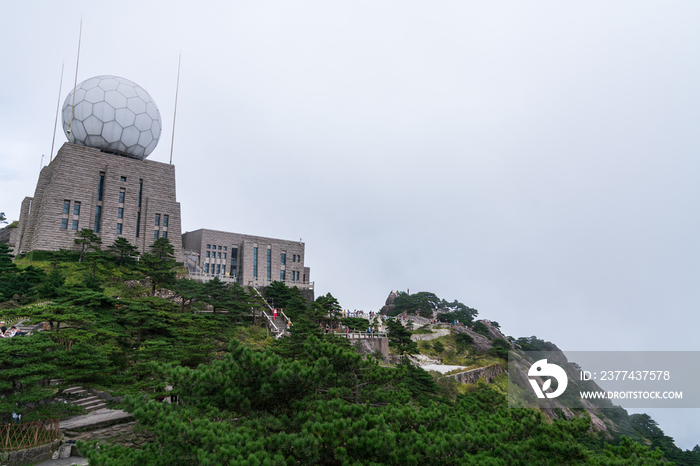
x=234, y=260
x=283, y=258
x=98, y=218
x=224, y=254
x=297, y=276
x=101, y=186
x=224, y=248
x=122, y=194
x=208, y=253
x=269, y=265
x=64, y=224
x=165, y=233
x=119, y=228
x=157, y=219
x=120, y=212
x=206, y=268
x=165, y=220
x=138, y=223
x=66, y=207
x=282, y=275
x=255, y=262
x=76, y=208
x=140, y=191
x=208, y=246
x=218, y=269
x=219, y=256
x=155, y=234
x=123, y=178
x=75, y=225
x=219, y=248
x=223, y=269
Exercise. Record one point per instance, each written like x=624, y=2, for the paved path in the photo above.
x=94, y=418
x=441, y=332
x=65, y=462
x=441, y=368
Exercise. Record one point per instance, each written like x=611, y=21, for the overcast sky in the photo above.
x=537, y=161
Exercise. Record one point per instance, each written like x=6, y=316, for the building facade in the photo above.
x=113, y=195
x=249, y=260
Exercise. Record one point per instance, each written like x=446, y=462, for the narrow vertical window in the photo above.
x=208, y=253
x=119, y=228
x=64, y=224
x=138, y=223
x=206, y=268
x=122, y=195
x=157, y=219
x=120, y=212
x=218, y=269
x=75, y=225
x=223, y=269
x=101, y=186
x=255, y=262
x=98, y=218
x=165, y=233
x=282, y=275
x=155, y=234
x=76, y=208
x=165, y=220
x=269, y=265
x=66, y=207
x=283, y=258
x=140, y=191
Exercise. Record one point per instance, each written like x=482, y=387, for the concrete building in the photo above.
x=114, y=195
x=248, y=260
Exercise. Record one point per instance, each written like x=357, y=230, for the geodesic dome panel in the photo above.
x=113, y=114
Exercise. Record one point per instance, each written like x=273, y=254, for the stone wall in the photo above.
x=488, y=373
x=30, y=455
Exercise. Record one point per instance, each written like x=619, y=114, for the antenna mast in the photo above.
x=58, y=104
x=75, y=85
x=177, y=88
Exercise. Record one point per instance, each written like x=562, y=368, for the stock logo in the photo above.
x=543, y=369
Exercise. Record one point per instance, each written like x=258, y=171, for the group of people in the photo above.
x=10, y=332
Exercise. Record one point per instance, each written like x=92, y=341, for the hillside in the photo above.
x=244, y=397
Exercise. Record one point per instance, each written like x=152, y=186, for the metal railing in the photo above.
x=362, y=335
x=28, y=434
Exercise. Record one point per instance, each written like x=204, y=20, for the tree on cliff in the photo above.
x=86, y=239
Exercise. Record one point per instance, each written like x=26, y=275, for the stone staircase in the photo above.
x=86, y=399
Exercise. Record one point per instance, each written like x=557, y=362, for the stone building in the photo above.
x=114, y=195
x=249, y=260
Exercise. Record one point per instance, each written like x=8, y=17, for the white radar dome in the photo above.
x=112, y=114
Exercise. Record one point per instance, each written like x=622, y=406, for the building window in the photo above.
x=157, y=219
x=255, y=262
x=101, y=186
x=76, y=208
x=208, y=246
x=64, y=224
x=223, y=269
x=66, y=207
x=119, y=228
x=297, y=276
x=283, y=258
x=219, y=256
x=123, y=178
x=122, y=194
x=98, y=218
x=206, y=268
x=224, y=248
x=140, y=191
x=165, y=233
x=269, y=265
x=120, y=212
x=224, y=254
x=155, y=234
x=282, y=275
x=218, y=269
x=219, y=248
x=165, y=220
x=208, y=253
x=75, y=225
x=138, y=223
